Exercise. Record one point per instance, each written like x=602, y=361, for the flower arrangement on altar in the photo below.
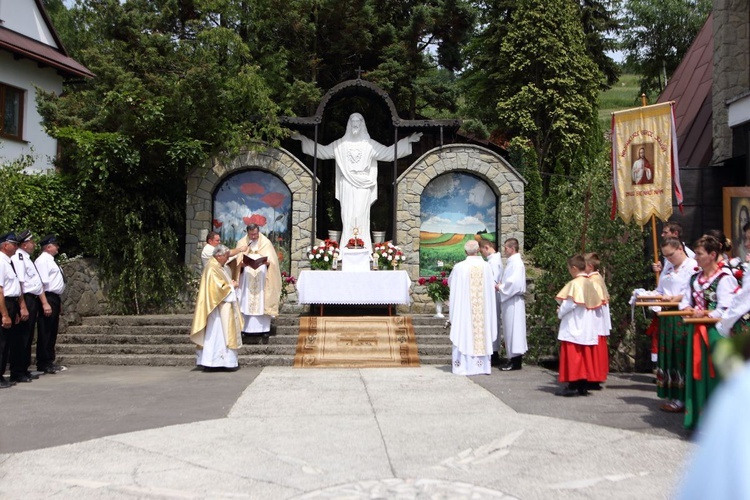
x=437, y=286
x=387, y=255
x=355, y=243
x=321, y=256
x=286, y=280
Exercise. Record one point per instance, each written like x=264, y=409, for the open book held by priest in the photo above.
x=254, y=261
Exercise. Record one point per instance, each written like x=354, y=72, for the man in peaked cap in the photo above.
x=12, y=308
x=53, y=282
x=36, y=302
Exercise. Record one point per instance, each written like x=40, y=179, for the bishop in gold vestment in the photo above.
x=217, y=323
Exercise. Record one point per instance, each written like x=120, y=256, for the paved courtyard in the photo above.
x=175, y=432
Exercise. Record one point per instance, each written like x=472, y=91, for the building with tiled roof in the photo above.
x=31, y=55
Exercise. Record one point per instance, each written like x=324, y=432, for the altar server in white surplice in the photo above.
x=217, y=324
x=489, y=251
x=473, y=313
x=513, y=305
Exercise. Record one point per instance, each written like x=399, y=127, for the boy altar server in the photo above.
x=513, y=304
x=473, y=313
x=495, y=260
x=580, y=314
x=601, y=359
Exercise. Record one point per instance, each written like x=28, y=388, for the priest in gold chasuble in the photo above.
x=217, y=323
x=260, y=288
x=473, y=313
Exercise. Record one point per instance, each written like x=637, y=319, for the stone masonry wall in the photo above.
x=84, y=295
x=731, y=71
x=204, y=180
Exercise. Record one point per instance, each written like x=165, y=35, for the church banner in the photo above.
x=645, y=165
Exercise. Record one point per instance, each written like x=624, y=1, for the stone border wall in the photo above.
x=204, y=181
x=500, y=176
x=731, y=71
x=84, y=294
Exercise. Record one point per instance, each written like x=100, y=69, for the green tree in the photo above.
x=656, y=34
x=170, y=90
x=541, y=77
x=578, y=222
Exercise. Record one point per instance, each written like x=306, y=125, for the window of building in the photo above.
x=11, y=112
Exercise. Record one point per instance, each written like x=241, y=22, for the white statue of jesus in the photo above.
x=357, y=159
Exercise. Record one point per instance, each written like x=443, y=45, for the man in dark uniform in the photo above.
x=12, y=308
x=53, y=281
x=36, y=302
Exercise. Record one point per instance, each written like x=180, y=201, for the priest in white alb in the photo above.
x=357, y=158
x=260, y=288
x=513, y=305
x=217, y=324
x=473, y=313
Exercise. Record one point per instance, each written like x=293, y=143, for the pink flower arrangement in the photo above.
x=286, y=280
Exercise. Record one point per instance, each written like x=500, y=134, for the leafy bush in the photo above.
x=578, y=221
x=42, y=202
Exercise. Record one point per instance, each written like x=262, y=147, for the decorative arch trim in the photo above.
x=204, y=180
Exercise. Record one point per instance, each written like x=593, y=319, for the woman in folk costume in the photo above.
x=217, y=324
x=601, y=357
x=673, y=333
x=733, y=350
x=709, y=294
x=580, y=314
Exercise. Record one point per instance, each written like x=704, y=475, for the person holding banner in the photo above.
x=708, y=295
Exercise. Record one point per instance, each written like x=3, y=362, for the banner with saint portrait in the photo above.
x=645, y=166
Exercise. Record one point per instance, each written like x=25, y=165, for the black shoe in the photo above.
x=515, y=363
x=568, y=392
x=32, y=376
x=594, y=386
x=59, y=368
x=20, y=378
x=49, y=370
x=4, y=384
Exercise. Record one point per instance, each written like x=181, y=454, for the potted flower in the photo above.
x=321, y=256
x=438, y=290
x=286, y=280
x=387, y=255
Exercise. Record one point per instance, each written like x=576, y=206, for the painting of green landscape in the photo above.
x=456, y=207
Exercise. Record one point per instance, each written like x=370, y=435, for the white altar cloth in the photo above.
x=339, y=287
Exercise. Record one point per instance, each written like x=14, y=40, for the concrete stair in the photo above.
x=162, y=340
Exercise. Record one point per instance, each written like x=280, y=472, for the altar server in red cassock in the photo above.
x=580, y=314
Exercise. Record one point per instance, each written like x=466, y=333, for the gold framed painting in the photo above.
x=736, y=215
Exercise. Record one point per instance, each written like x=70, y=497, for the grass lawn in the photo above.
x=623, y=95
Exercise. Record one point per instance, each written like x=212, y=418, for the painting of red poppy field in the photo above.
x=254, y=197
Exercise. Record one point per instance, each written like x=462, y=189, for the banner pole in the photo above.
x=653, y=219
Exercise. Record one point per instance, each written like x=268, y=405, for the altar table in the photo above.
x=353, y=288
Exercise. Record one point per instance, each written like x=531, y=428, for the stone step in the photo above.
x=162, y=340
x=186, y=349
x=187, y=319
x=166, y=360
x=153, y=349
x=189, y=360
